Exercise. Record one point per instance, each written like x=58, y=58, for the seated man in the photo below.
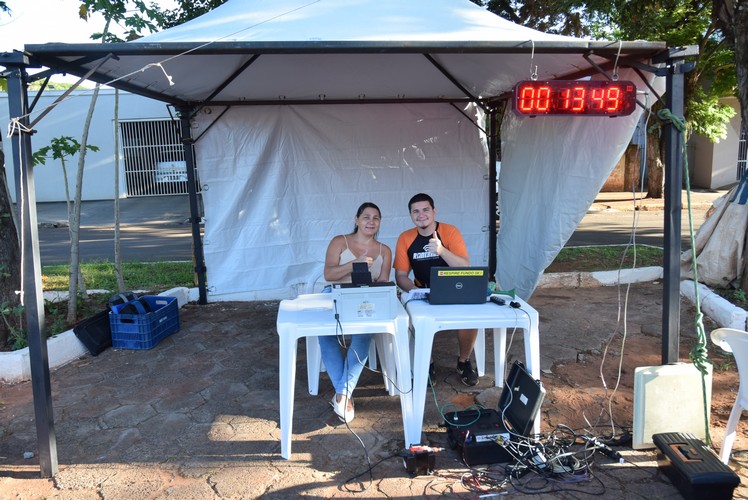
x=428, y=244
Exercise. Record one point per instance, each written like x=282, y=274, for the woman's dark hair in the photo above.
x=364, y=206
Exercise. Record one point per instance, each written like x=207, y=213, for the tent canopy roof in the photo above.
x=287, y=51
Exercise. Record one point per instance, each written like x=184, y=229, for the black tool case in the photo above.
x=480, y=434
x=693, y=468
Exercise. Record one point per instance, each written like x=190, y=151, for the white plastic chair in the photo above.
x=736, y=342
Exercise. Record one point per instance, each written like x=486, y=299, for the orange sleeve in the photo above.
x=402, y=262
x=452, y=240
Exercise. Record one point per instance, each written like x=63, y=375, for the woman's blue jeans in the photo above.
x=344, y=366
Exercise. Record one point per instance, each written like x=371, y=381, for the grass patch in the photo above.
x=153, y=277
x=737, y=297
x=157, y=276
x=605, y=258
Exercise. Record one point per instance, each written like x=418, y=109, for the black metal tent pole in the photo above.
x=185, y=114
x=674, y=94
x=492, y=187
x=33, y=300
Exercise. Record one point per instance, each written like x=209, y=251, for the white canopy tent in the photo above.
x=300, y=110
x=282, y=177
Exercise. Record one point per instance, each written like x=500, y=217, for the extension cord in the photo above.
x=539, y=460
x=603, y=448
x=566, y=468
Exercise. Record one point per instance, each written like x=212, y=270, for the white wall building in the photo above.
x=716, y=164
x=138, y=115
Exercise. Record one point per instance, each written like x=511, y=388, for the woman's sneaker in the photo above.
x=341, y=409
x=467, y=374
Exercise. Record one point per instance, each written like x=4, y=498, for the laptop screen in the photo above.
x=458, y=285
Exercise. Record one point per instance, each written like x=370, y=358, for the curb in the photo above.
x=15, y=366
x=65, y=347
x=600, y=278
x=722, y=311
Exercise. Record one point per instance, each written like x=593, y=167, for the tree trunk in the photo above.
x=75, y=222
x=117, y=245
x=10, y=256
x=656, y=176
x=81, y=285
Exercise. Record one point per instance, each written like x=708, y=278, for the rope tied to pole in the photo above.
x=699, y=353
x=678, y=122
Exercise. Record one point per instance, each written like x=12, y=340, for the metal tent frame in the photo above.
x=141, y=68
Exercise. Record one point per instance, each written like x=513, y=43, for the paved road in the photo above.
x=148, y=242
x=156, y=228
x=617, y=228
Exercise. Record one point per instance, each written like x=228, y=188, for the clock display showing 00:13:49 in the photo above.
x=575, y=97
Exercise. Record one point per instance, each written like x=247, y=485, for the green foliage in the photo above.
x=100, y=275
x=189, y=9
x=4, y=271
x=59, y=149
x=55, y=315
x=560, y=16
x=12, y=316
x=735, y=295
x=676, y=22
x=605, y=258
x=708, y=117
x=145, y=18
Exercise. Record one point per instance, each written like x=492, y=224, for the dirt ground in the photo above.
x=583, y=393
x=577, y=394
x=576, y=326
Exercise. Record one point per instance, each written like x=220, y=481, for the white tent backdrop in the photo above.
x=311, y=133
x=280, y=181
x=551, y=170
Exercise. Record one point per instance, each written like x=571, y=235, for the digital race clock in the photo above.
x=575, y=97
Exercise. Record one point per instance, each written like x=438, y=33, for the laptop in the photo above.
x=458, y=285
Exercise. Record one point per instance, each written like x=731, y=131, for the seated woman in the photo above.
x=344, y=364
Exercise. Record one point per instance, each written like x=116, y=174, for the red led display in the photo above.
x=575, y=97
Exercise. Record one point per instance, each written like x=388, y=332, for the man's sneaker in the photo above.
x=432, y=374
x=467, y=374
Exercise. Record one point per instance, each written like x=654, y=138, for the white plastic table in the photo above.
x=311, y=315
x=428, y=319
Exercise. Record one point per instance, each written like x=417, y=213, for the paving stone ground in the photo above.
x=197, y=417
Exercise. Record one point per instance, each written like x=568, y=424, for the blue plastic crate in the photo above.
x=145, y=330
